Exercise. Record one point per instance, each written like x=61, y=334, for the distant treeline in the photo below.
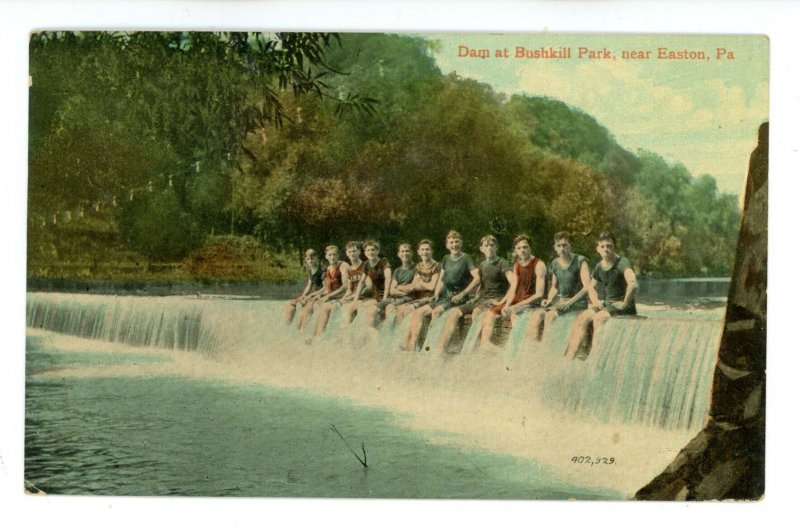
x=144, y=146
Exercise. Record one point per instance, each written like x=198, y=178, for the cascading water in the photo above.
x=654, y=371
x=645, y=381
x=128, y=320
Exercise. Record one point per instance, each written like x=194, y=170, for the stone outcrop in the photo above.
x=726, y=459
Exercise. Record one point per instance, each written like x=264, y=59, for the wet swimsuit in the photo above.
x=376, y=275
x=400, y=276
x=425, y=273
x=569, y=282
x=333, y=280
x=526, y=283
x=457, y=274
x=354, y=275
x=611, y=286
x=494, y=284
x=403, y=275
x=315, y=278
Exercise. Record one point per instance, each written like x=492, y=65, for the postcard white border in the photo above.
x=777, y=19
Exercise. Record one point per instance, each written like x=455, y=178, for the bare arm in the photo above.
x=553, y=291
x=343, y=268
x=355, y=295
x=316, y=293
x=541, y=272
x=512, y=289
x=594, y=299
x=387, y=274
x=304, y=293
x=476, y=280
x=400, y=290
x=395, y=290
x=439, y=286
x=585, y=281
x=630, y=279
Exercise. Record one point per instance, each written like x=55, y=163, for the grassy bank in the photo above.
x=220, y=259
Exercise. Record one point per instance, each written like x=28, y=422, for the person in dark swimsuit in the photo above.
x=378, y=282
x=331, y=286
x=496, y=277
x=569, y=281
x=525, y=291
x=402, y=285
x=458, y=279
x=426, y=276
x=611, y=293
x=312, y=287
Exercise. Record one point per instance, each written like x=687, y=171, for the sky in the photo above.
x=701, y=113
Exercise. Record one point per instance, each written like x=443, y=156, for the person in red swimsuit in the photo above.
x=526, y=290
x=331, y=286
x=355, y=278
x=334, y=287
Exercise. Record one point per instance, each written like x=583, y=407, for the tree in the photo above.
x=115, y=113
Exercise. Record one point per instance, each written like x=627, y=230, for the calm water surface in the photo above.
x=141, y=435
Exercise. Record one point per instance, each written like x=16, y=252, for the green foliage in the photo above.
x=239, y=258
x=677, y=225
x=155, y=226
x=571, y=133
x=168, y=139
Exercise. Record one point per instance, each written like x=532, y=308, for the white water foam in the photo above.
x=535, y=404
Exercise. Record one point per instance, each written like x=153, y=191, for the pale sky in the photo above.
x=704, y=114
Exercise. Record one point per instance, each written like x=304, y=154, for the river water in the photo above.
x=198, y=396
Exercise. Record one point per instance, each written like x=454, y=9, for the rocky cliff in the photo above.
x=726, y=459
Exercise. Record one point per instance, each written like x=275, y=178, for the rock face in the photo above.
x=726, y=459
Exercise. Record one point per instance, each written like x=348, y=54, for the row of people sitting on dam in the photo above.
x=456, y=287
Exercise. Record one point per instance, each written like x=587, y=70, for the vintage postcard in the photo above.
x=372, y=265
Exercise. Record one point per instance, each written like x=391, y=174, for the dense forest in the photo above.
x=223, y=155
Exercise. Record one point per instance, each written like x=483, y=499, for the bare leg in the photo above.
x=487, y=327
x=403, y=311
x=549, y=317
x=416, y=326
x=579, y=333
x=288, y=313
x=477, y=312
x=371, y=311
x=322, y=317
x=449, y=327
x=350, y=311
x=599, y=319
x=308, y=309
x=533, y=334
x=391, y=310
x=535, y=325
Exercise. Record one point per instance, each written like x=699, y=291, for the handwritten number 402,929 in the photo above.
x=588, y=460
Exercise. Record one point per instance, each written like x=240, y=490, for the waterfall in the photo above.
x=655, y=371
x=651, y=372
x=471, y=340
x=434, y=334
x=390, y=334
x=128, y=320
x=517, y=336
